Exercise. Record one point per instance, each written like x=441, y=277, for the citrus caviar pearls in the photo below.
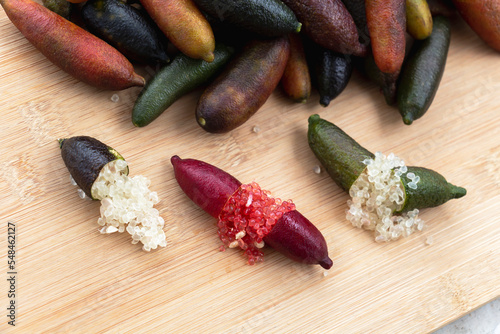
x=247, y=217
x=377, y=193
x=127, y=205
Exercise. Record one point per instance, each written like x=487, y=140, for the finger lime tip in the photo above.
x=324, y=102
x=202, y=121
x=408, y=120
x=137, y=80
x=458, y=192
x=174, y=159
x=326, y=263
x=209, y=57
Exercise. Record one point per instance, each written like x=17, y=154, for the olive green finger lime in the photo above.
x=339, y=154
x=85, y=157
x=345, y=160
x=422, y=72
x=173, y=81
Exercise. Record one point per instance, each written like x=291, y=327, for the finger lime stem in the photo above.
x=299, y=28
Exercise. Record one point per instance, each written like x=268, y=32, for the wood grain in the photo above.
x=74, y=280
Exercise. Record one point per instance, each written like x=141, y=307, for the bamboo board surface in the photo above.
x=72, y=279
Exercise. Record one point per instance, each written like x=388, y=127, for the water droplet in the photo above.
x=81, y=193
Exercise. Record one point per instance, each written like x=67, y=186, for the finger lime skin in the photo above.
x=483, y=16
x=329, y=24
x=85, y=157
x=386, y=81
x=298, y=239
x=125, y=28
x=174, y=80
x=74, y=50
x=343, y=157
x=210, y=188
x=432, y=190
x=357, y=10
x=386, y=20
x=332, y=72
x=340, y=155
x=207, y=186
x=296, y=79
x=270, y=18
x=422, y=72
x=418, y=19
x=184, y=25
x=441, y=7
x=244, y=86
x=61, y=7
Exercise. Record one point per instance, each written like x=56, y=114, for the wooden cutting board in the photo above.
x=72, y=279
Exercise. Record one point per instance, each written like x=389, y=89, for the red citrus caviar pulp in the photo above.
x=247, y=217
